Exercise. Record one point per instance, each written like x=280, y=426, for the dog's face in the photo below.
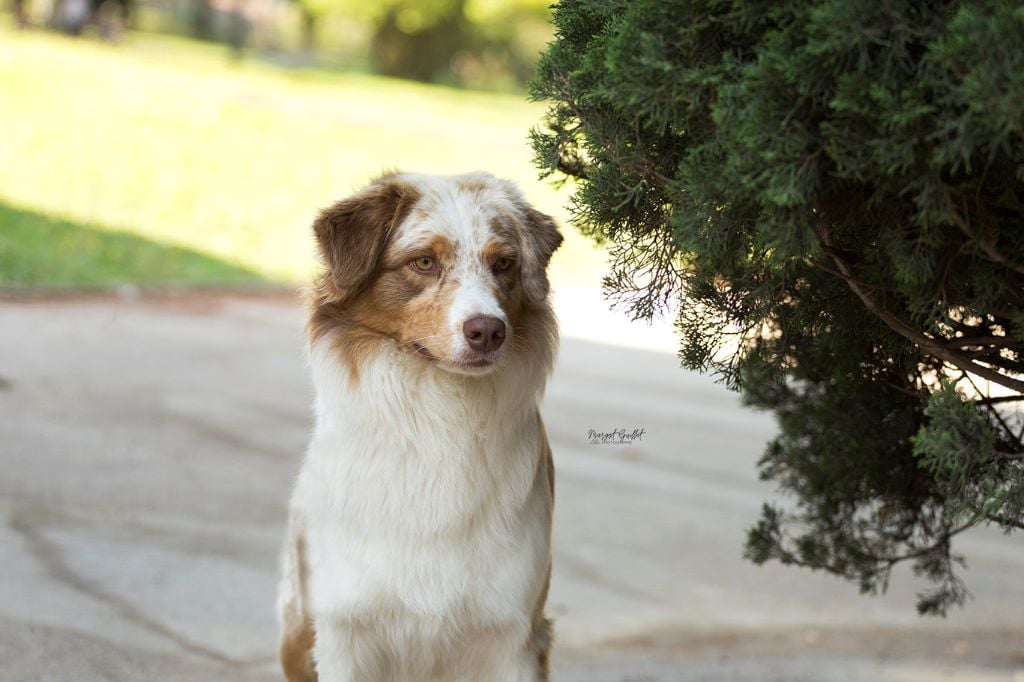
x=448, y=267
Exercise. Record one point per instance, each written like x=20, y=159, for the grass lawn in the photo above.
x=41, y=250
x=160, y=160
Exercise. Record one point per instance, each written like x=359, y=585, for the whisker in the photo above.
x=425, y=338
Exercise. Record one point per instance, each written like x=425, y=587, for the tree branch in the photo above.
x=993, y=411
x=936, y=348
x=1000, y=399
x=987, y=246
x=1000, y=341
x=1004, y=520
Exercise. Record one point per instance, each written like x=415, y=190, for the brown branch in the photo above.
x=887, y=561
x=1004, y=520
x=993, y=400
x=987, y=246
x=936, y=348
x=993, y=411
x=920, y=552
x=1001, y=341
x=997, y=362
x=836, y=273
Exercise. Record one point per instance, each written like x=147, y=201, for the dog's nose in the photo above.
x=484, y=334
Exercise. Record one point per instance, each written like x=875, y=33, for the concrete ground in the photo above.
x=146, y=453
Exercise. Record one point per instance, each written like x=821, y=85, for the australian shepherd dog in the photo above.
x=419, y=538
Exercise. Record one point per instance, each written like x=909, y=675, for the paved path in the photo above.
x=146, y=453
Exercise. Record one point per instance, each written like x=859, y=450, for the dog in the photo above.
x=419, y=536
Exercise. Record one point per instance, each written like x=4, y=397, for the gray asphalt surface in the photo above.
x=147, y=449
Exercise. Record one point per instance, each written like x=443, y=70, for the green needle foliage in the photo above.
x=830, y=193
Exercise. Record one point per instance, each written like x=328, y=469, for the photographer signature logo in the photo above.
x=616, y=436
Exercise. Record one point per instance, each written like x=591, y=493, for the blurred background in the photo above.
x=160, y=165
x=158, y=143
x=490, y=44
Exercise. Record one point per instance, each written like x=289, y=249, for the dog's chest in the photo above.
x=432, y=513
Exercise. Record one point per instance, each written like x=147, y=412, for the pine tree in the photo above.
x=832, y=195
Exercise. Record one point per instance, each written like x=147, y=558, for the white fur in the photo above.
x=425, y=506
x=473, y=298
x=426, y=522
x=466, y=224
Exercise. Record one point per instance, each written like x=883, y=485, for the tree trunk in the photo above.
x=309, y=26
x=425, y=55
x=202, y=20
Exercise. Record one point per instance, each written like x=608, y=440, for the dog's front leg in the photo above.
x=505, y=662
x=344, y=654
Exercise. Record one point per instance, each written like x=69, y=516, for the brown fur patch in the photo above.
x=296, y=654
x=392, y=307
x=473, y=185
x=352, y=234
x=541, y=637
x=540, y=239
x=407, y=306
x=503, y=229
x=496, y=248
x=541, y=640
x=506, y=287
x=295, y=651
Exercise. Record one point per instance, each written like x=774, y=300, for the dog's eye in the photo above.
x=424, y=263
x=502, y=264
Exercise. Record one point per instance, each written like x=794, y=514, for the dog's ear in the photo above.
x=352, y=233
x=540, y=239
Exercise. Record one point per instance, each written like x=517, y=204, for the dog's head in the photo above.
x=449, y=267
